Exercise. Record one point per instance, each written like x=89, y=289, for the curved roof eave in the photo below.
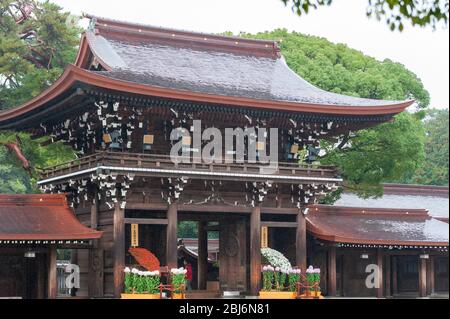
x=315, y=231
x=73, y=73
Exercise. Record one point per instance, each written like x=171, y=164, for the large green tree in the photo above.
x=394, y=12
x=434, y=170
x=36, y=43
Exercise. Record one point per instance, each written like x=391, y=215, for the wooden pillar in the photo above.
x=331, y=271
x=388, y=276
x=300, y=242
x=52, y=285
x=430, y=276
x=119, y=249
x=96, y=258
x=172, y=237
x=422, y=277
x=255, y=250
x=202, y=255
x=394, y=271
x=380, y=289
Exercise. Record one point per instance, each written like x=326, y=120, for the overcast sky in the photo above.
x=423, y=51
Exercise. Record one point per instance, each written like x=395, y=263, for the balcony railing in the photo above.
x=148, y=161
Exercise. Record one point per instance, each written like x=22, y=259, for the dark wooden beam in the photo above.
x=212, y=228
x=279, y=211
x=380, y=283
x=300, y=242
x=422, y=277
x=96, y=258
x=280, y=224
x=52, y=285
x=331, y=271
x=96, y=273
x=394, y=270
x=387, y=276
x=172, y=238
x=119, y=250
x=255, y=250
x=146, y=221
x=202, y=255
x=430, y=276
x=190, y=208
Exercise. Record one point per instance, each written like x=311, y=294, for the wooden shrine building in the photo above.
x=130, y=86
x=409, y=247
x=32, y=228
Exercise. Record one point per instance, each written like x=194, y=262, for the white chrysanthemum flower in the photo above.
x=127, y=270
x=134, y=271
x=275, y=258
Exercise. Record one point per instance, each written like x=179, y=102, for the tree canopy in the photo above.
x=434, y=169
x=36, y=44
x=394, y=12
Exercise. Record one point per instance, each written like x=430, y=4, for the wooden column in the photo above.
x=255, y=250
x=331, y=271
x=380, y=289
x=300, y=242
x=202, y=255
x=430, y=276
x=388, y=276
x=96, y=258
x=394, y=271
x=52, y=285
x=119, y=249
x=422, y=277
x=172, y=237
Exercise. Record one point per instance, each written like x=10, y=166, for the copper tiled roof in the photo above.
x=40, y=217
x=376, y=226
x=205, y=63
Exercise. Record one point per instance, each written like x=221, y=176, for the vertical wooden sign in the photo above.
x=134, y=235
x=264, y=237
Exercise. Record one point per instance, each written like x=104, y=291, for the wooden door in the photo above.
x=233, y=255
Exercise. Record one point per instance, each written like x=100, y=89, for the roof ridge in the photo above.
x=233, y=44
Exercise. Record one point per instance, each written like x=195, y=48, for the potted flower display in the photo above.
x=141, y=284
x=313, y=281
x=178, y=276
x=276, y=274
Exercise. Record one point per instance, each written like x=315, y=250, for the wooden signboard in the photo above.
x=264, y=237
x=134, y=235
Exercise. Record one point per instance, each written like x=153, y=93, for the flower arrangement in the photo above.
x=142, y=282
x=313, y=278
x=178, y=279
x=275, y=258
x=145, y=258
x=268, y=277
x=294, y=278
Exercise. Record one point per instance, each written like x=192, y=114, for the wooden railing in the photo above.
x=137, y=160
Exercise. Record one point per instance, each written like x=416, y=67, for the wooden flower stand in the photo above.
x=277, y=295
x=140, y=296
x=305, y=291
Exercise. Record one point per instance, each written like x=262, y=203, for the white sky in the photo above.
x=423, y=51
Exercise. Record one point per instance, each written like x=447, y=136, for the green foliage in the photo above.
x=383, y=153
x=434, y=170
x=13, y=178
x=35, y=46
x=394, y=12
